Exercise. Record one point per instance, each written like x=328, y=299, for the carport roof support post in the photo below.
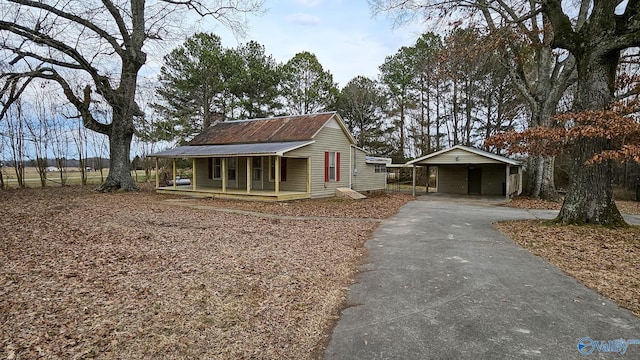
x=413, y=191
x=506, y=180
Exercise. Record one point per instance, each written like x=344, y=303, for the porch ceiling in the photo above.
x=257, y=149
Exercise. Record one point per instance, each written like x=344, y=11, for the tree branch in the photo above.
x=221, y=13
x=117, y=17
x=46, y=40
x=22, y=54
x=76, y=19
x=13, y=82
x=564, y=35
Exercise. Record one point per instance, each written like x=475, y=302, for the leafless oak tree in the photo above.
x=93, y=50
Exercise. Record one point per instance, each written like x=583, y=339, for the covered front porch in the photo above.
x=266, y=175
x=262, y=195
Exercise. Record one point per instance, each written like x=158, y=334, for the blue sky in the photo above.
x=343, y=34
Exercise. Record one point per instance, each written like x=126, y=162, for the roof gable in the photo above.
x=436, y=157
x=276, y=129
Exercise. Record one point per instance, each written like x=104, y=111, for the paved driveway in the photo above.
x=441, y=283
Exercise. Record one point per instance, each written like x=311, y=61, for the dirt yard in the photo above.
x=605, y=260
x=134, y=276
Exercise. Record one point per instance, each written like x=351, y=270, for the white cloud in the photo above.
x=304, y=19
x=308, y=3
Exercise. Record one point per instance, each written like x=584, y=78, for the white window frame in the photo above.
x=332, y=165
x=232, y=164
x=217, y=168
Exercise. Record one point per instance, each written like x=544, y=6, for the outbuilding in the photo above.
x=470, y=171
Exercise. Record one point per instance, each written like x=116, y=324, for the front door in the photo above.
x=256, y=173
x=475, y=180
x=232, y=175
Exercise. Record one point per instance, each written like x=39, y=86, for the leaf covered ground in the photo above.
x=523, y=202
x=606, y=260
x=133, y=276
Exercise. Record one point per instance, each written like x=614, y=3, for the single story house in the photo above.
x=278, y=158
x=470, y=171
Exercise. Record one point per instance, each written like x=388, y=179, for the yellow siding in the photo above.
x=452, y=179
x=296, y=175
x=328, y=139
x=493, y=179
x=202, y=175
x=366, y=179
x=463, y=157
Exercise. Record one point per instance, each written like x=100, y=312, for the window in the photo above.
x=513, y=170
x=380, y=168
x=231, y=168
x=217, y=168
x=256, y=168
x=331, y=166
x=272, y=169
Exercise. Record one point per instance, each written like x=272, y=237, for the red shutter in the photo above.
x=337, y=166
x=326, y=166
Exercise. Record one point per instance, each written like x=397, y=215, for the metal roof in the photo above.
x=276, y=129
x=377, y=160
x=260, y=149
x=472, y=150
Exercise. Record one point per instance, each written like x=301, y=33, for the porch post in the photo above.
x=224, y=174
x=157, y=175
x=193, y=174
x=413, y=191
x=249, y=159
x=506, y=183
x=309, y=175
x=426, y=190
x=277, y=175
x=174, y=174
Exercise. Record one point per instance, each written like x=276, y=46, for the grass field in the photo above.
x=72, y=177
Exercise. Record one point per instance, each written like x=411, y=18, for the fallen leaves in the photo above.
x=85, y=274
x=606, y=260
x=523, y=202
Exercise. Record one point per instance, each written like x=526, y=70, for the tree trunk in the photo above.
x=548, y=183
x=590, y=194
x=540, y=178
x=532, y=187
x=120, y=137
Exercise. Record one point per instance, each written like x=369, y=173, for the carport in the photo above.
x=469, y=171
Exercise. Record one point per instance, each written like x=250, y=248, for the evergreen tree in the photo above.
x=306, y=87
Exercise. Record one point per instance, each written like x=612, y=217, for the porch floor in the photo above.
x=242, y=194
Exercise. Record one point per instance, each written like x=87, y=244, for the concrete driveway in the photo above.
x=441, y=283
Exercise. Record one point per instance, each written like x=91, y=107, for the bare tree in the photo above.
x=99, y=144
x=39, y=127
x=60, y=147
x=79, y=136
x=93, y=50
x=2, y=184
x=15, y=134
x=520, y=32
